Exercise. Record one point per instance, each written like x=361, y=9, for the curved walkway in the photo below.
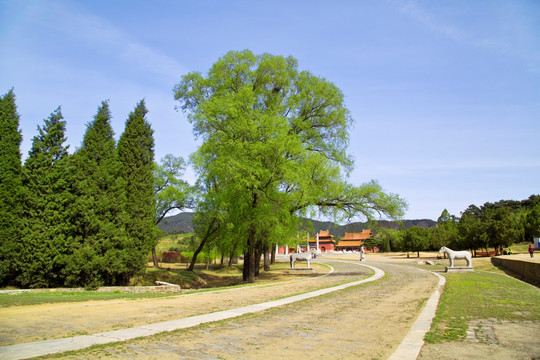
x=407, y=350
x=412, y=343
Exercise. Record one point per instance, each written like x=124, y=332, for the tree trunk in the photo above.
x=258, y=254
x=196, y=253
x=221, y=262
x=233, y=253
x=154, y=258
x=209, y=232
x=245, y=267
x=249, y=259
x=249, y=265
x=273, y=255
x=266, y=252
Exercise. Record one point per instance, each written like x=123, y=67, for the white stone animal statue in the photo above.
x=456, y=255
x=305, y=256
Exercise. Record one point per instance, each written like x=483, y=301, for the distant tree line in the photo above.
x=492, y=225
x=82, y=219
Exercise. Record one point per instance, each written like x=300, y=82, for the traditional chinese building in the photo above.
x=353, y=241
x=323, y=241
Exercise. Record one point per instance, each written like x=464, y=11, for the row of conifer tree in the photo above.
x=82, y=219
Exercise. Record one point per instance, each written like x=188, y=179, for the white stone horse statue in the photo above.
x=456, y=255
x=305, y=256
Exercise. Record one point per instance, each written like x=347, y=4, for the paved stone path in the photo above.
x=231, y=339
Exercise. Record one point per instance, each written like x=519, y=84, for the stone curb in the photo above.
x=412, y=343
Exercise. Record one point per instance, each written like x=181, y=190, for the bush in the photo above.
x=170, y=257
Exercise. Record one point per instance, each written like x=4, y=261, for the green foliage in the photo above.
x=391, y=239
x=502, y=226
x=446, y=232
x=472, y=230
x=100, y=243
x=81, y=220
x=136, y=155
x=480, y=295
x=10, y=185
x=415, y=239
x=532, y=222
x=170, y=191
x=375, y=242
x=494, y=225
x=44, y=245
x=274, y=148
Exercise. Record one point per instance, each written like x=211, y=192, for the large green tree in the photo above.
x=10, y=185
x=446, y=231
x=503, y=226
x=532, y=221
x=415, y=239
x=136, y=154
x=100, y=243
x=275, y=140
x=44, y=244
x=472, y=230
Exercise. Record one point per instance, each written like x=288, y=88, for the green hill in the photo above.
x=177, y=224
x=183, y=223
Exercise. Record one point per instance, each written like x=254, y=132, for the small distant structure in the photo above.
x=354, y=241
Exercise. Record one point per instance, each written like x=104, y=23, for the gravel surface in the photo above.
x=366, y=321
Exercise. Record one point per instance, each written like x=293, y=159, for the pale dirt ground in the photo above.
x=49, y=321
x=366, y=322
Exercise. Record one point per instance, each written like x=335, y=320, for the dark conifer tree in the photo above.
x=47, y=196
x=10, y=185
x=136, y=153
x=100, y=242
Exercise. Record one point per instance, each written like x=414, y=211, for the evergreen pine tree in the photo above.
x=10, y=185
x=136, y=153
x=47, y=196
x=99, y=238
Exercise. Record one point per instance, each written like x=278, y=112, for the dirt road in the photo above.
x=50, y=321
x=367, y=321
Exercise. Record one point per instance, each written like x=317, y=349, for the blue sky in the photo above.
x=445, y=95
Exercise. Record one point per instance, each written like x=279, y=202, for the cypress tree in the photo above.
x=47, y=196
x=99, y=237
x=136, y=153
x=10, y=185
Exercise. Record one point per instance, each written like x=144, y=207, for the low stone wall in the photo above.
x=527, y=270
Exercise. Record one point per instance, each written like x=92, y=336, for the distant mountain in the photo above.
x=183, y=223
x=177, y=224
x=314, y=226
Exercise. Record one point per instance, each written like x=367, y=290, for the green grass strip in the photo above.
x=481, y=295
x=32, y=298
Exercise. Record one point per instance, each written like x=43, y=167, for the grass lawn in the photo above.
x=481, y=295
x=37, y=298
x=202, y=279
